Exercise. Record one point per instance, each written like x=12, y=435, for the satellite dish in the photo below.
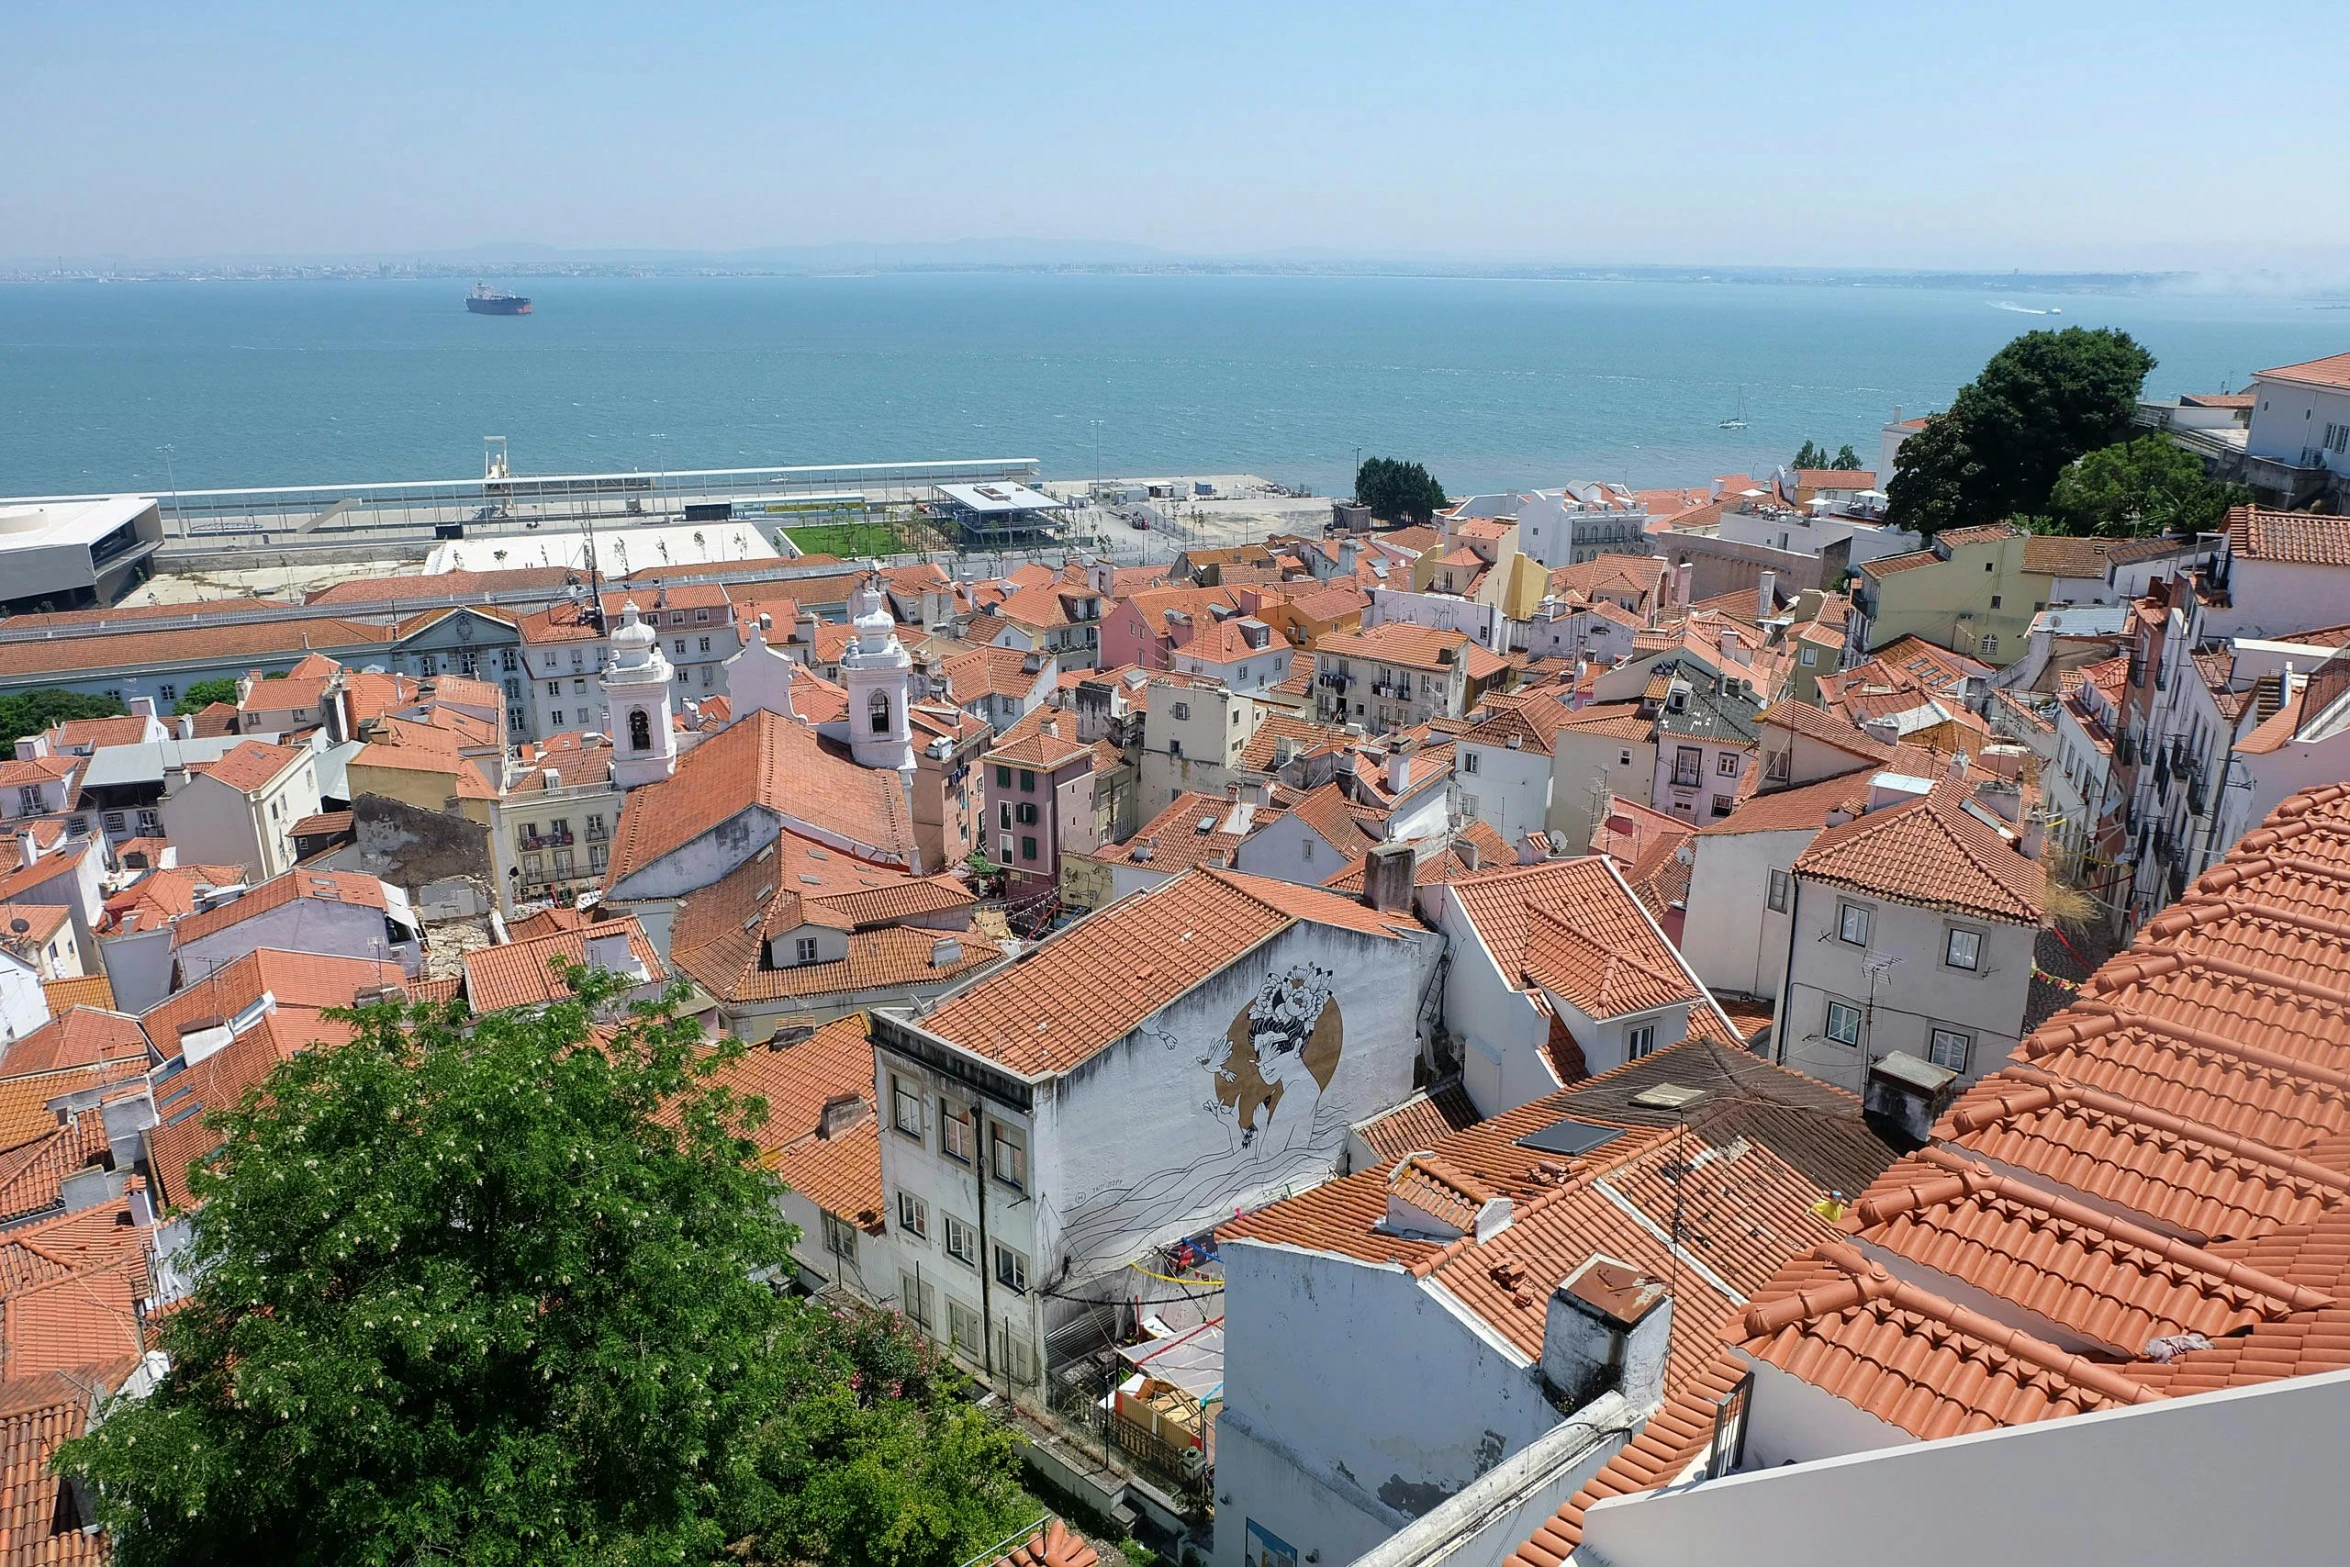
x=20, y=925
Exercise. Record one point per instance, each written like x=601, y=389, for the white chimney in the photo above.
x=946, y=952
x=1766, y=596
x=28, y=849
x=141, y=706
x=1399, y=771
x=1607, y=1329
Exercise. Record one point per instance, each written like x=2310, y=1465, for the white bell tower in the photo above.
x=636, y=704
x=878, y=673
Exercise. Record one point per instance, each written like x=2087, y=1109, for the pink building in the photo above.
x=1039, y=800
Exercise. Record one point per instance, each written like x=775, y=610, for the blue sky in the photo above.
x=1979, y=135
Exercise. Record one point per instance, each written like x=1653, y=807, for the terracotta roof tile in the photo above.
x=1056, y=1545
x=1104, y=976
x=252, y=765
x=82, y=1036
x=2332, y=371
x=1420, y=1121
x=38, y=1414
x=772, y=763
x=355, y=888
x=2299, y=538
x=1930, y=852
x=524, y=973
x=840, y=1174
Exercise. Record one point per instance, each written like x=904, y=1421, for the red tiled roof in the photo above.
x=1519, y=909
x=1933, y=853
x=82, y=1036
x=1817, y=724
x=840, y=1174
x=2333, y=371
x=83, y=990
x=1101, y=978
x=356, y=888
x=1398, y=643
x=38, y=1414
x=771, y=762
x=1056, y=1545
x=524, y=973
x=1420, y=1121
x=2296, y=537
x=251, y=765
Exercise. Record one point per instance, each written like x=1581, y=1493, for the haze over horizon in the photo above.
x=1692, y=134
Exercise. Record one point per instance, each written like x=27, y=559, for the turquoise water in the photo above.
x=1492, y=383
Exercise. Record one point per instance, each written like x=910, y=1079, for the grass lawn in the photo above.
x=848, y=540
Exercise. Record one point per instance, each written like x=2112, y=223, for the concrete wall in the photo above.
x=1482, y=623
x=1731, y=936
x=2244, y=1475
x=1587, y=768
x=1509, y=790
x=344, y=930
x=1328, y=1459
x=2289, y=424
x=2273, y=599
x=1909, y=998
x=696, y=864
x=1499, y=1031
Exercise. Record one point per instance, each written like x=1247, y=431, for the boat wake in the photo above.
x=2021, y=310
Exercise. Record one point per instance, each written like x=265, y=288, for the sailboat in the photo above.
x=1737, y=421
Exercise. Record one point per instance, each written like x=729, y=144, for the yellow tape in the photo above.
x=1197, y=1284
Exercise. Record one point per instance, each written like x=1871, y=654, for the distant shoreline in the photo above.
x=1983, y=282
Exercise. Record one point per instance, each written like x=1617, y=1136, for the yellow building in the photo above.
x=1968, y=592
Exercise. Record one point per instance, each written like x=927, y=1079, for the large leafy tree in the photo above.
x=30, y=712
x=2146, y=486
x=203, y=693
x=1398, y=491
x=492, y=1293
x=2040, y=403
x=1813, y=455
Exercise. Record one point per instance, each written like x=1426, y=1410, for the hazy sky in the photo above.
x=1906, y=134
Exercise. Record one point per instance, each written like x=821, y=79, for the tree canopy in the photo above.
x=1812, y=455
x=2137, y=488
x=2040, y=403
x=493, y=1293
x=201, y=694
x=30, y=712
x=1398, y=491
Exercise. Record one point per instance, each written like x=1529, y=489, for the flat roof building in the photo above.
x=73, y=554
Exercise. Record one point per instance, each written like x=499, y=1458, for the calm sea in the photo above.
x=1492, y=383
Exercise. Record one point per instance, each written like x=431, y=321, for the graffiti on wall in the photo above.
x=1280, y=1050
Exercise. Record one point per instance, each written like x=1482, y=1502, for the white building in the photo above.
x=2301, y=415
x=1047, y=1124
x=1503, y=769
x=635, y=690
x=240, y=808
x=72, y=554
x=1579, y=521
x=340, y=914
x=1911, y=928
x=1240, y=652
x=1558, y=973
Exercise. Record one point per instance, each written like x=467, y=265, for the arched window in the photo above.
x=880, y=712
x=640, y=730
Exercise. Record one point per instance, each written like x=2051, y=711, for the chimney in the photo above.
x=609, y=952
x=1684, y=580
x=184, y=727
x=946, y=952
x=28, y=849
x=141, y=706
x=1399, y=770
x=1766, y=596
x=85, y=1188
x=32, y=747
x=1906, y=1096
x=840, y=1112
x=1466, y=848
x=1387, y=877
x=1607, y=1329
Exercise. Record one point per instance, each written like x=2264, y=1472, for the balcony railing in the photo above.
x=560, y=840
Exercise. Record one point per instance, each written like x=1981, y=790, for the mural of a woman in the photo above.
x=1280, y=1053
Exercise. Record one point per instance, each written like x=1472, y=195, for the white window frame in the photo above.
x=904, y=1104
x=1846, y=914
x=956, y=1126
x=840, y=1238
x=1011, y=1269
x=1937, y=1035
x=1776, y=889
x=1000, y=1139
x=1974, y=959
x=913, y=1215
x=1828, y=1024
x=962, y=1242
x=1640, y=1042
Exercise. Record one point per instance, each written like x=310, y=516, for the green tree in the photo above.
x=492, y=1293
x=30, y=712
x=2141, y=487
x=2041, y=403
x=1812, y=455
x=1398, y=491
x=203, y=693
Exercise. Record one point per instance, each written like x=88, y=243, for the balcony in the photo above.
x=535, y=841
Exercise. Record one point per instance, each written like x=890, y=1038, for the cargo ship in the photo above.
x=488, y=301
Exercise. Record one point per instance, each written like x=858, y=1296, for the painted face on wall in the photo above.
x=1282, y=1048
